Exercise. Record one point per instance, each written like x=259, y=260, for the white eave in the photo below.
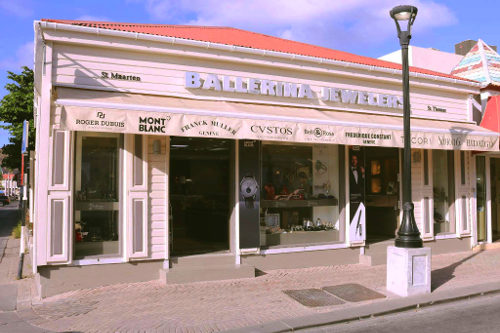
x=247, y=50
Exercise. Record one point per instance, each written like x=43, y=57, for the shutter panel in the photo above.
x=60, y=198
x=58, y=243
x=137, y=240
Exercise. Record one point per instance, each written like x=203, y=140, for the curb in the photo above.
x=371, y=310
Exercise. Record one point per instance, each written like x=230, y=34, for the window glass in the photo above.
x=443, y=191
x=97, y=180
x=426, y=167
x=481, y=198
x=462, y=167
x=299, y=199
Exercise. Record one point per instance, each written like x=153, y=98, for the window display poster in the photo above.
x=249, y=196
x=357, y=225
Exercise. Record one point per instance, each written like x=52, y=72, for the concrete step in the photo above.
x=373, y=260
x=203, y=260
x=375, y=253
x=187, y=274
x=486, y=246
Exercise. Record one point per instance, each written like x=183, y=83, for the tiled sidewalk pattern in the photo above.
x=221, y=305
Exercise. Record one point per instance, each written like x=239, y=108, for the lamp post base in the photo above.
x=408, y=270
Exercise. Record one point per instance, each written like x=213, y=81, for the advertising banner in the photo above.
x=237, y=127
x=357, y=218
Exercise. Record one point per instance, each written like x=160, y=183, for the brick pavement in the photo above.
x=221, y=305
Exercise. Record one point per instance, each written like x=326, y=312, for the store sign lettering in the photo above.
x=447, y=141
x=435, y=108
x=100, y=123
x=248, y=86
x=211, y=123
x=318, y=132
x=257, y=86
x=346, y=96
x=119, y=76
x=271, y=130
x=419, y=140
x=153, y=124
x=480, y=143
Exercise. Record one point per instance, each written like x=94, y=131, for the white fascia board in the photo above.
x=224, y=47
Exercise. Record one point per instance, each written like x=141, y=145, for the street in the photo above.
x=478, y=314
x=8, y=219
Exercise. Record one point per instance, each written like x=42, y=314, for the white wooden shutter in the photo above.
x=137, y=221
x=59, y=231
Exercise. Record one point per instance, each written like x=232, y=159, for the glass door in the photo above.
x=200, y=194
x=97, y=195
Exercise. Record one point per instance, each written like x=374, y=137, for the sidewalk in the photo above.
x=13, y=292
x=254, y=305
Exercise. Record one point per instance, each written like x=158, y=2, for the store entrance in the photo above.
x=382, y=193
x=200, y=173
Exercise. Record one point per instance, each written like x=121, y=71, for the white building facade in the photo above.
x=186, y=157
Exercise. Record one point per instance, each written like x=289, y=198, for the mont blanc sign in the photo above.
x=293, y=90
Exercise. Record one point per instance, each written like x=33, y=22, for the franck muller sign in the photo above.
x=234, y=84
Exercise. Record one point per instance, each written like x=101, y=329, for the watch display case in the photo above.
x=299, y=194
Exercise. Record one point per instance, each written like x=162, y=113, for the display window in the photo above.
x=299, y=195
x=97, y=195
x=443, y=191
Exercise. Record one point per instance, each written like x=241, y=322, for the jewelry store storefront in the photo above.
x=160, y=153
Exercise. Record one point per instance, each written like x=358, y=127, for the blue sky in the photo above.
x=358, y=26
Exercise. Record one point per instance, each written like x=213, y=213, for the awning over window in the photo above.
x=88, y=110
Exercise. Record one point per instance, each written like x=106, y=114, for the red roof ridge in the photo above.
x=80, y=22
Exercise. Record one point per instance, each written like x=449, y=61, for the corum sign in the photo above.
x=235, y=84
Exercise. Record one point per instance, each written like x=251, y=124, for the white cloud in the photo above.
x=22, y=57
x=93, y=18
x=21, y=8
x=336, y=24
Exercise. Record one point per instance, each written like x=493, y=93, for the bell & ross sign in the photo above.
x=235, y=84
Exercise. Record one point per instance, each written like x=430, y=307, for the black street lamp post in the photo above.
x=408, y=234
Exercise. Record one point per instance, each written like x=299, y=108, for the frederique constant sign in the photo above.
x=235, y=84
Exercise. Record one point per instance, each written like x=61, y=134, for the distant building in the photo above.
x=9, y=184
x=427, y=58
x=464, y=47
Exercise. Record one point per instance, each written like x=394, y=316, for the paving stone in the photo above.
x=8, y=297
x=313, y=297
x=353, y=292
x=235, y=304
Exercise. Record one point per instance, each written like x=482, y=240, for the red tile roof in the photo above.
x=243, y=38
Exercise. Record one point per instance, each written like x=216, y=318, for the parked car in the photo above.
x=4, y=199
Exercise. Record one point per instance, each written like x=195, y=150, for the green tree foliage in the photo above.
x=15, y=107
